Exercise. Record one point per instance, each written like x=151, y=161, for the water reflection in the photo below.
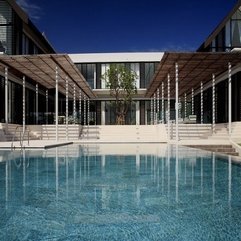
x=108, y=171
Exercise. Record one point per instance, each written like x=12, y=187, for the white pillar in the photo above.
x=179, y=108
x=67, y=107
x=163, y=102
x=56, y=104
x=80, y=114
x=37, y=104
x=74, y=105
x=6, y=95
x=229, y=99
x=158, y=106
x=192, y=101
x=213, y=104
x=154, y=108
x=47, y=106
x=176, y=77
x=151, y=111
x=88, y=111
x=102, y=112
x=137, y=112
x=24, y=105
x=201, y=102
x=168, y=105
x=185, y=105
x=84, y=110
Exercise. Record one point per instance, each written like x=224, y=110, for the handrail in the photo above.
x=22, y=134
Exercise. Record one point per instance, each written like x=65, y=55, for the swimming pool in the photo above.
x=119, y=192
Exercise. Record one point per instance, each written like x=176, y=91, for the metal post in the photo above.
x=6, y=96
x=213, y=104
x=47, y=105
x=154, y=109
x=88, y=111
x=179, y=108
x=201, y=102
x=163, y=108
x=185, y=105
x=192, y=101
x=168, y=105
x=176, y=70
x=158, y=105
x=37, y=104
x=56, y=104
x=229, y=99
x=151, y=111
x=74, y=105
x=67, y=107
x=80, y=114
x=24, y=105
x=84, y=110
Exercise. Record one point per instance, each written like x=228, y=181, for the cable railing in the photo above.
x=22, y=132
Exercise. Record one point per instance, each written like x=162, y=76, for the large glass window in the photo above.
x=89, y=73
x=5, y=28
x=110, y=115
x=236, y=29
x=131, y=66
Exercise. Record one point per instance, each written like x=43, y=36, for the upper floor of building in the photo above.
x=93, y=66
x=227, y=35
x=18, y=35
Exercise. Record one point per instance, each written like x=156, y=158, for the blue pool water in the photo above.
x=117, y=192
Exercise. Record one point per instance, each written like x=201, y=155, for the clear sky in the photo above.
x=81, y=26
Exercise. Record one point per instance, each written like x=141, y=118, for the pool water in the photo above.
x=119, y=192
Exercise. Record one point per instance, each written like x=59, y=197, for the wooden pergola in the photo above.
x=42, y=69
x=193, y=68
x=184, y=73
x=52, y=71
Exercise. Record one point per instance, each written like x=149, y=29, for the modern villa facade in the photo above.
x=83, y=94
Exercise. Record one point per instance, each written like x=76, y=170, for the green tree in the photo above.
x=122, y=84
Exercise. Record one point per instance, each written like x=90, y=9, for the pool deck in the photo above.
x=34, y=144
x=44, y=144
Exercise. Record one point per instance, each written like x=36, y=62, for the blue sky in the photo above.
x=82, y=26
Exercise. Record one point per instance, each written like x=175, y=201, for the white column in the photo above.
x=185, y=105
x=192, y=101
x=6, y=95
x=158, y=106
x=56, y=104
x=213, y=104
x=37, y=104
x=168, y=105
x=151, y=111
x=47, y=106
x=176, y=70
x=229, y=99
x=201, y=102
x=67, y=107
x=88, y=111
x=80, y=114
x=102, y=112
x=24, y=105
x=74, y=105
x=179, y=108
x=163, y=102
x=154, y=108
x=84, y=110
x=137, y=112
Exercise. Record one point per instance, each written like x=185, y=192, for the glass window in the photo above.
x=89, y=73
x=5, y=28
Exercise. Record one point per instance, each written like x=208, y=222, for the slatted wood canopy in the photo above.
x=193, y=68
x=42, y=69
